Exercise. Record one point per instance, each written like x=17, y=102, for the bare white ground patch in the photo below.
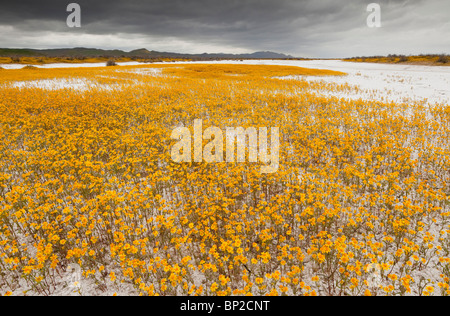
x=386, y=83
x=58, y=84
x=152, y=72
x=64, y=65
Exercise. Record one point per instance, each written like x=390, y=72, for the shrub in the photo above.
x=111, y=62
x=403, y=59
x=443, y=59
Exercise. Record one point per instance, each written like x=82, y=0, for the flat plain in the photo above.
x=91, y=202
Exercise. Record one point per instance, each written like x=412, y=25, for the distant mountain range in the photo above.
x=138, y=53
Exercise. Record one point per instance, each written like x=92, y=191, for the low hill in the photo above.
x=141, y=53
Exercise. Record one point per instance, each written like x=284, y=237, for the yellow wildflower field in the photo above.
x=359, y=205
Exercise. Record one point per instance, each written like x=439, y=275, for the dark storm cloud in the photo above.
x=312, y=27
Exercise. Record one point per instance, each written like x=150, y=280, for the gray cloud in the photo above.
x=314, y=28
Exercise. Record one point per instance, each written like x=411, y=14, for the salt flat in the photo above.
x=379, y=82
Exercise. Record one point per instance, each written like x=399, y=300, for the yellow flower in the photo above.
x=429, y=289
x=393, y=277
x=214, y=287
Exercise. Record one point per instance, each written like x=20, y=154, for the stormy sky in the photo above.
x=302, y=28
